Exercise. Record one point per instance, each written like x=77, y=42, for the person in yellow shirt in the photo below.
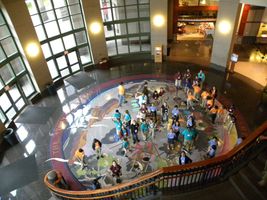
x=190, y=99
x=204, y=96
x=221, y=114
x=197, y=91
x=80, y=157
x=121, y=91
x=213, y=113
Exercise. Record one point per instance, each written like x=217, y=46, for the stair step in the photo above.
x=252, y=180
x=256, y=167
x=262, y=156
x=244, y=189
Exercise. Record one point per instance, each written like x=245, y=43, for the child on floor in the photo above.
x=152, y=127
x=125, y=146
x=164, y=112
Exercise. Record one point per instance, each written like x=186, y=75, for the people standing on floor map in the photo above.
x=201, y=76
x=175, y=113
x=164, y=112
x=97, y=147
x=127, y=119
x=81, y=158
x=153, y=110
x=178, y=81
x=144, y=129
x=121, y=91
x=134, y=131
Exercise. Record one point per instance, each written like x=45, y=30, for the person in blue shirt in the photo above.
x=184, y=159
x=118, y=126
x=117, y=114
x=125, y=146
x=201, y=76
x=211, y=151
x=171, y=139
x=189, y=136
x=175, y=113
x=153, y=110
x=144, y=129
x=127, y=119
x=190, y=123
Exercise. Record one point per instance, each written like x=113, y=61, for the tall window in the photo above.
x=126, y=25
x=15, y=83
x=59, y=25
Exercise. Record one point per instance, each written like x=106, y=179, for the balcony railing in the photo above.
x=176, y=178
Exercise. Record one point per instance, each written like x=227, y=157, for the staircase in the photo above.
x=241, y=186
x=246, y=180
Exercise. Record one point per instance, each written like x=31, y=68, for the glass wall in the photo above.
x=15, y=83
x=198, y=2
x=126, y=26
x=59, y=25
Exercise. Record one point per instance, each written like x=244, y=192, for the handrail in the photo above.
x=163, y=176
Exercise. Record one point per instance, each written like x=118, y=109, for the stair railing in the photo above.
x=174, y=178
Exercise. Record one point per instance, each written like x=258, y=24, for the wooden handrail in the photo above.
x=251, y=138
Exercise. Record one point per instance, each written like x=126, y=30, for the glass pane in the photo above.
x=62, y=12
x=52, y=68
x=109, y=30
x=65, y=25
x=51, y=29
x=143, y=10
x=9, y=46
x=144, y=26
x=40, y=33
x=11, y=113
x=106, y=14
x=111, y=46
x=6, y=73
x=61, y=62
x=105, y=4
x=4, y=32
x=134, y=44
x=46, y=50
x=26, y=85
x=143, y=1
x=1, y=84
x=20, y=104
x=85, y=55
x=44, y=5
x=122, y=46
x=72, y=1
x=14, y=93
x=130, y=2
x=36, y=20
x=31, y=7
x=77, y=21
x=5, y=102
x=48, y=16
x=133, y=27
x=131, y=12
x=69, y=41
x=65, y=72
x=74, y=9
x=59, y=3
x=72, y=57
x=2, y=117
x=118, y=13
x=145, y=43
x=120, y=29
x=2, y=55
x=57, y=46
x=80, y=37
x=75, y=68
x=17, y=65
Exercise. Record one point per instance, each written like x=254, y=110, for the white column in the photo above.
x=225, y=31
x=93, y=20
x=158, y=12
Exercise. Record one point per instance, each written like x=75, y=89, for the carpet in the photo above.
x=18, y=174
x=80, y=80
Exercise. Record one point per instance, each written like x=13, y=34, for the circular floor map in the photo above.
x=93, y=119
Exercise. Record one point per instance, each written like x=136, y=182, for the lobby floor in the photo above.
x=35, y=134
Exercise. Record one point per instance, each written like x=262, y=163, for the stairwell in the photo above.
x=241, y=186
